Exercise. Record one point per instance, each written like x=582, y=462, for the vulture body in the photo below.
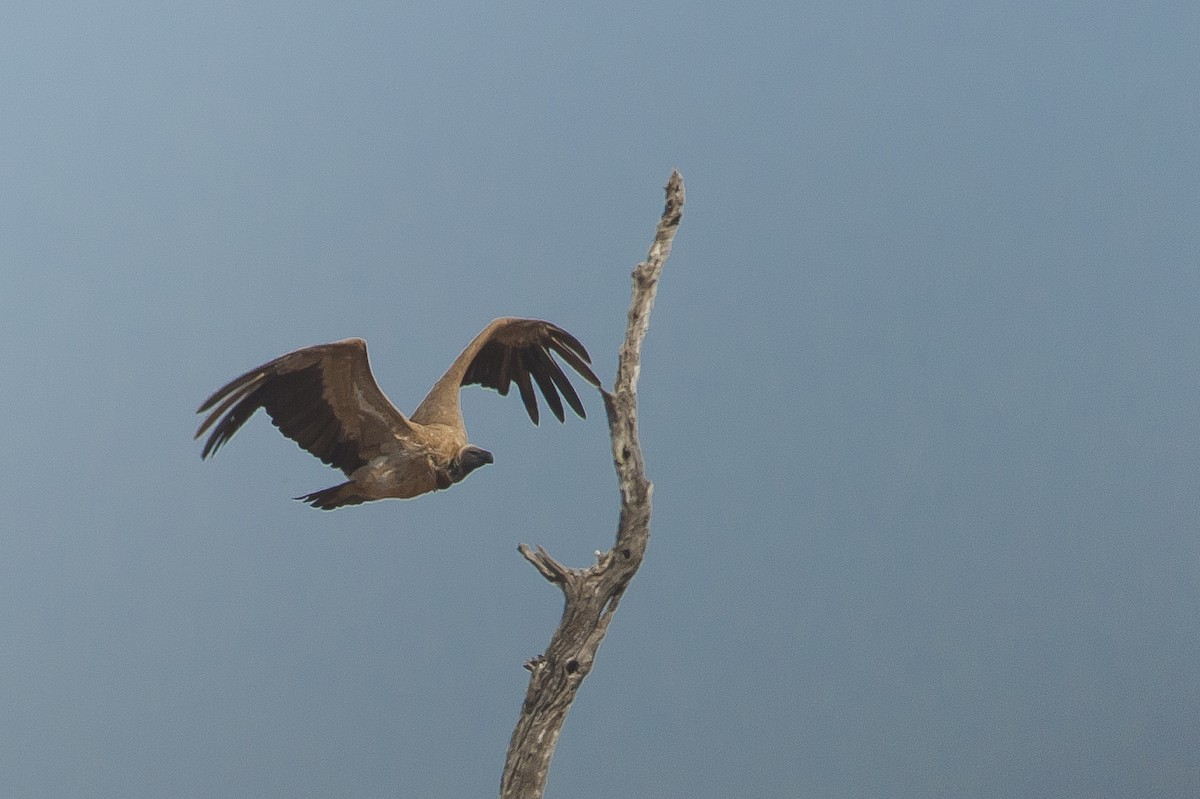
x=326, y=400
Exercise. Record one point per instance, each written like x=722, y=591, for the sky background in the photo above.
x=919, y=397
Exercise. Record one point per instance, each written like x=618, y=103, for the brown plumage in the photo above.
x=326, y=400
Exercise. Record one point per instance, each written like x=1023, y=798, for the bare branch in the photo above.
x=592, y=594
x=550, y=568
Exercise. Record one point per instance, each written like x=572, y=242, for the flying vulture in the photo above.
x=326, y=400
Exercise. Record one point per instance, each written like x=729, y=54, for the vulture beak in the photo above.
x=479, y=456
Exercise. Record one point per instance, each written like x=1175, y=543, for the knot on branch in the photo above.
x=645, y=275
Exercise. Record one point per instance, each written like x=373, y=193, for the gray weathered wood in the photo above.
x=592, y=594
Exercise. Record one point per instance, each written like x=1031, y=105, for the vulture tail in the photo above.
x=329, y=498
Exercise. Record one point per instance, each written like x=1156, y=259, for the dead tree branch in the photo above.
x=592, y=594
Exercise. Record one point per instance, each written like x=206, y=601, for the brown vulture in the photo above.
x=326, y=400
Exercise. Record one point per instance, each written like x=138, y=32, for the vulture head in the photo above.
x=466, y=461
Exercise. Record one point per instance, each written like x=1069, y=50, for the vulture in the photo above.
x=325, y=399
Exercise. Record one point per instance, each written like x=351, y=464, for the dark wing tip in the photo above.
x=515, y=350
x=543, y=371
x=537, y=359
x=570, y=350
x=521, y=374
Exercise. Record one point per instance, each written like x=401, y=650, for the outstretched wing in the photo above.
x=511, y=351
x=324, y=398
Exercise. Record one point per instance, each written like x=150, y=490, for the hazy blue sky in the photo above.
x=919, y=397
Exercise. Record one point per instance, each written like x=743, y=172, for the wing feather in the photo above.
x=324, y=398
x=497, y=368
x=506, y=351
x=576, y=357
x=564, y=385
x=546, y=367
x=521, y=375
